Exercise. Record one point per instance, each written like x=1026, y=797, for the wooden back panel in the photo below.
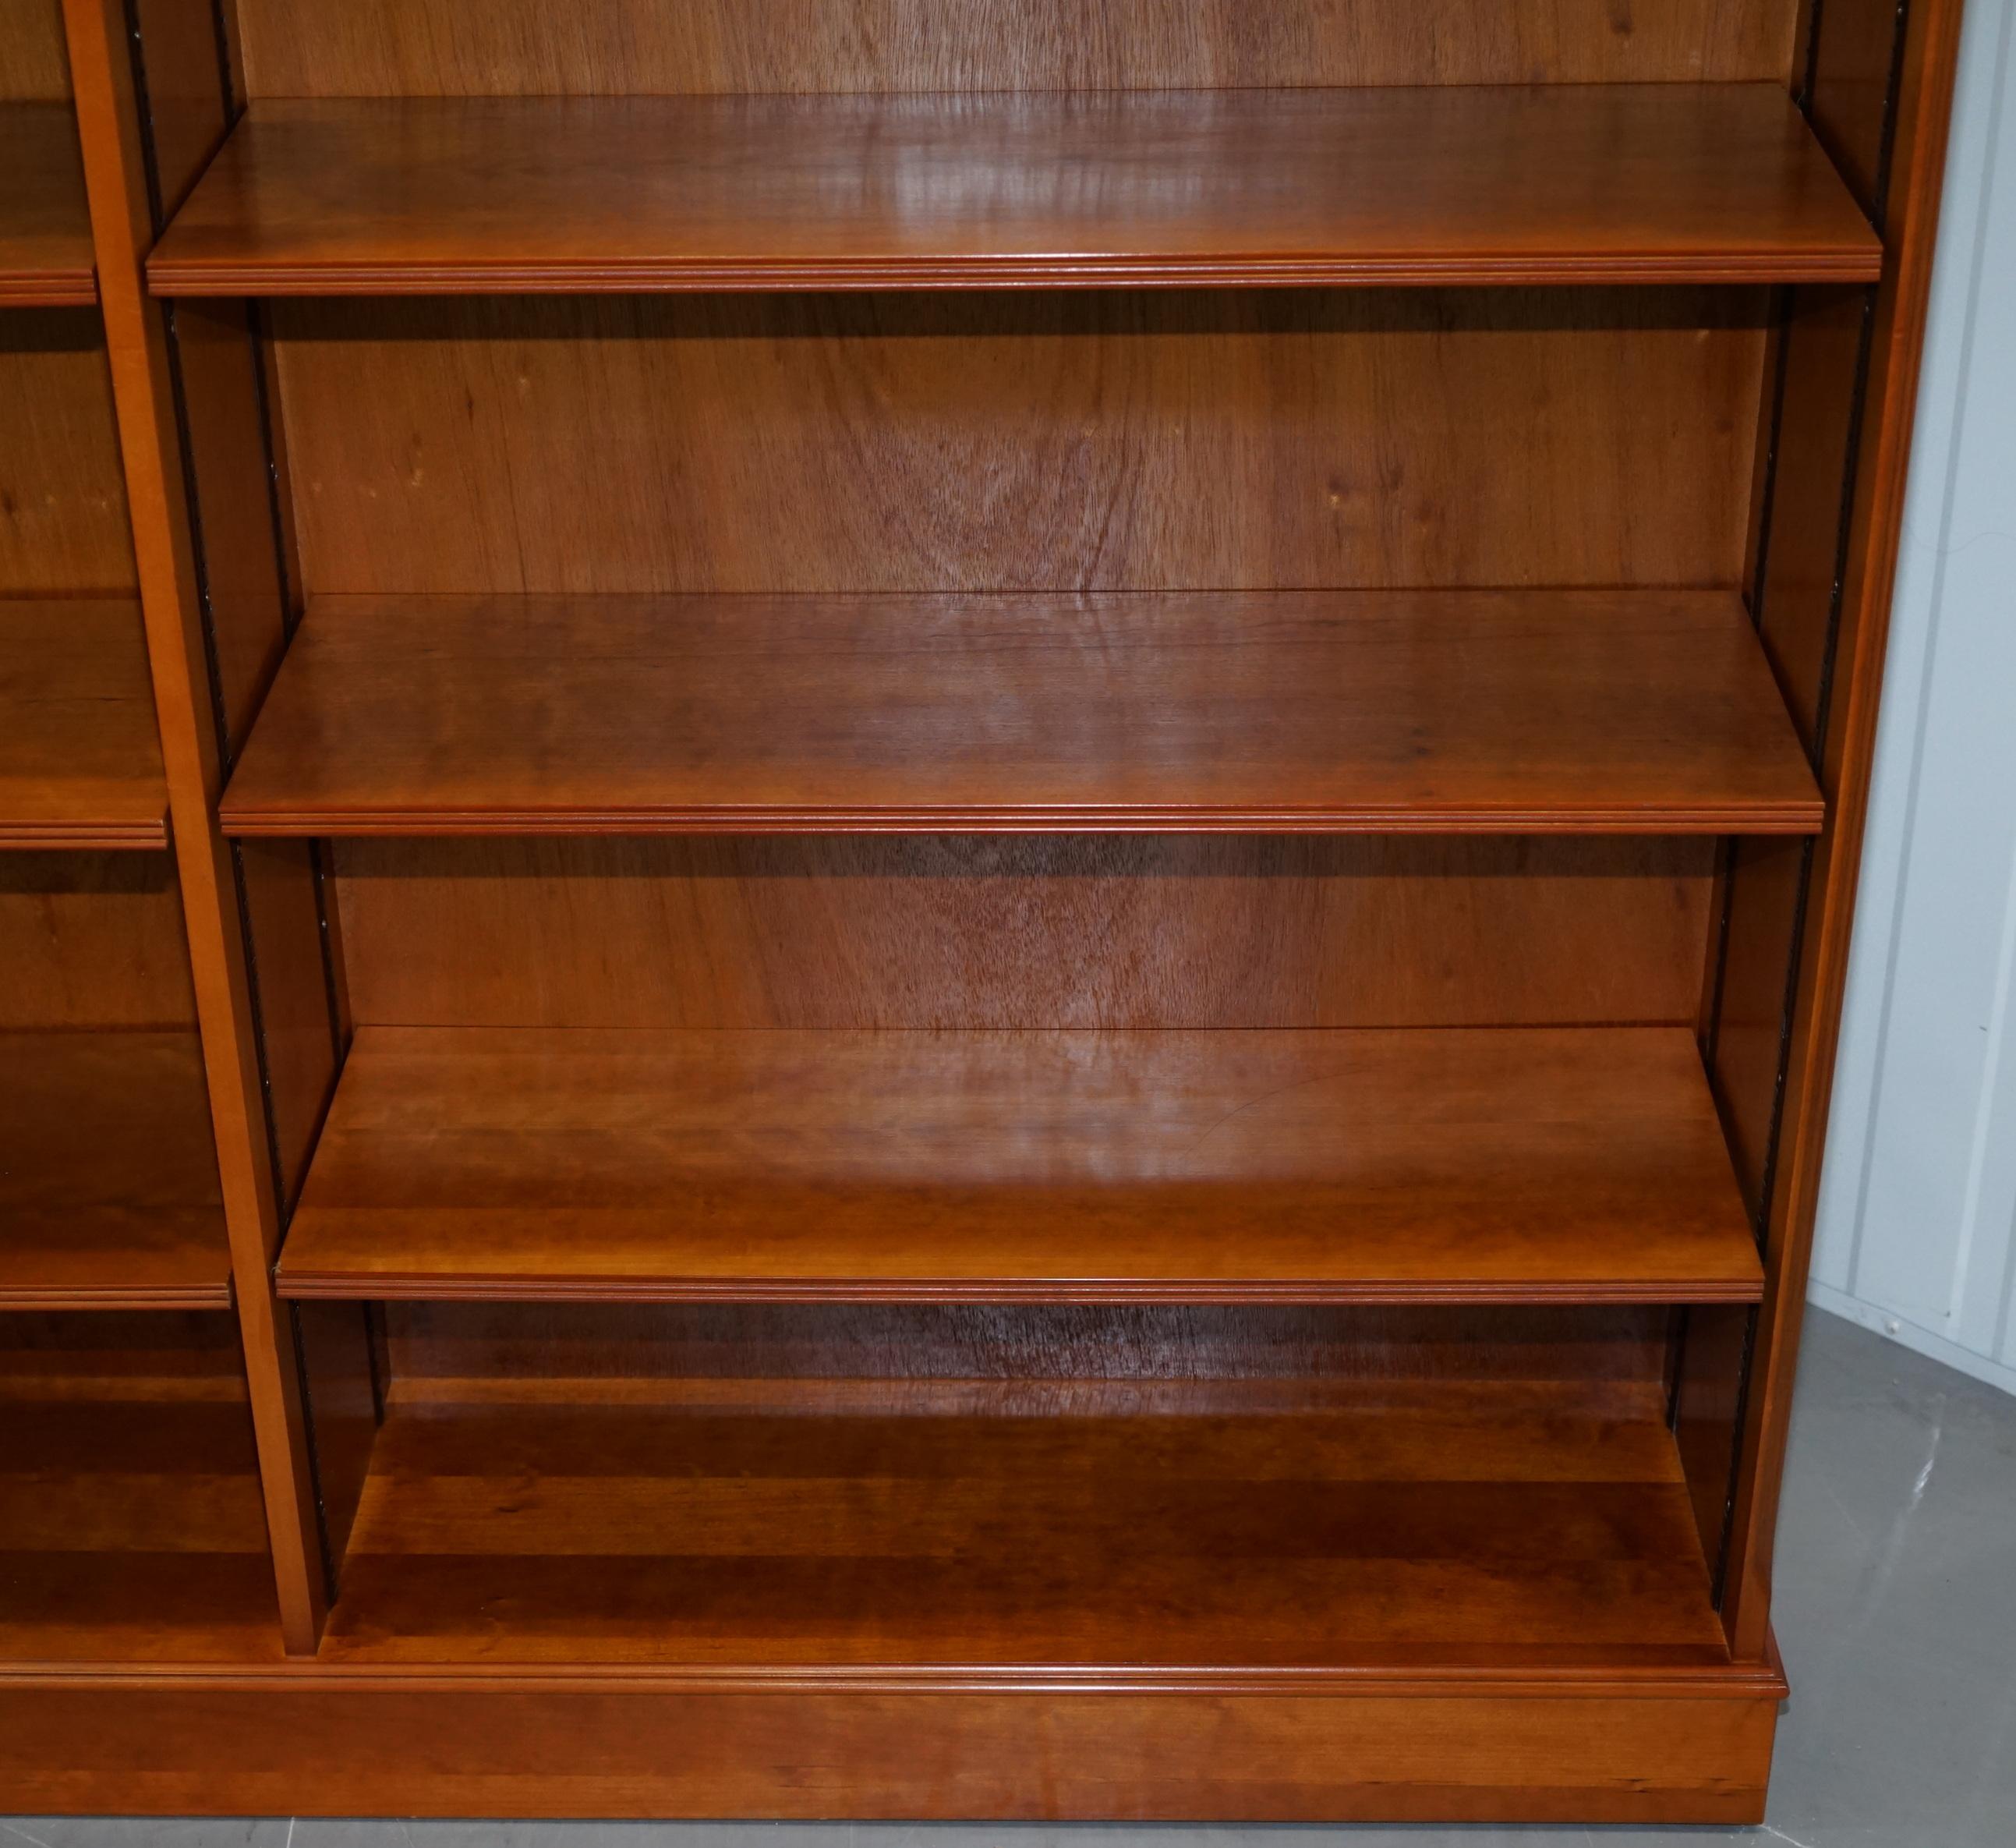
x=90, y=940
x=1124, y=440
x=1025, y=931
x=545, y=1346
x=33, y=67
x=171, y=1354
x=375, y=48
x=1119, y=441
x=63, y=499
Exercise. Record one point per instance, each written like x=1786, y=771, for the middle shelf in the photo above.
x=1411, y=711
x=1563, y=1164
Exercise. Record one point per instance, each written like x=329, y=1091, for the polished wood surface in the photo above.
x=1572, y=183
x=1465, y=1555
x=1047, y=441
x=1005, y=931
x=1577, y=1166
x=131, y=1532
x=1657, y=1749
x=80, y=757
x=108, y=1177
x=1409, y=712
x=64, y=532
x=656, y=1351
x=429, y=48
x=92, y=939
x=45, y=256
x=1151, y=1533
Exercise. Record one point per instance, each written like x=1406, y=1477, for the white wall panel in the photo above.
x=1917, y=1228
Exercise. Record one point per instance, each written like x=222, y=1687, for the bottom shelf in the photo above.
x=1157, y=1529
x=132, y=1526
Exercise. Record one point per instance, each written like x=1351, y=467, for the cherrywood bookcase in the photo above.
x=1015, y=845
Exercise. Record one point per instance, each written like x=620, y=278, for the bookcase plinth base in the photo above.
x=301, y=1742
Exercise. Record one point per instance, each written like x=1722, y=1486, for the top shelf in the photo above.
x=1599, y=184
x=46, y=257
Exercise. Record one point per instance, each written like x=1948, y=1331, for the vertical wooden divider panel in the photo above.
x=1881, y=103
x=122, y=219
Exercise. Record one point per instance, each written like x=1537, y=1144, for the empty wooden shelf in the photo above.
x=1563, y=1166
x=108, y=1195
x=1407, y=712
x=45, y=254
x=1157, y=1533
x=79, y=758
x=132, y=1529
x=1567, y=184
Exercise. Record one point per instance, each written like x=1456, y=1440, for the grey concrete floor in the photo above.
x=1896, y=1610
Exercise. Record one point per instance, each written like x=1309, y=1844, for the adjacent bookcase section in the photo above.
x=1039, y=820
x=45, y=257
x=110, y=1191
x=131, y=1530
x=80, y=760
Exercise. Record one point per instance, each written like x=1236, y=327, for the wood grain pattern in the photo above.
x=1408, y=713
x=1679, y=1745
x=108, y=1178
x=63, y=501
x=1297, y=1560
x=32, y=66
x=130, y=1530
x=1146, y=1535
x=1577, y=1166
x=388, y=48
x=90, y=940
x=1025, y=930
x=1577, y=183
x=1053, y=441
x=186, y=1355
x=45, y=258
x=680, y=1352
x=80, y=756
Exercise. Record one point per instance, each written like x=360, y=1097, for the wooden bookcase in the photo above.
x=1016, y=845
